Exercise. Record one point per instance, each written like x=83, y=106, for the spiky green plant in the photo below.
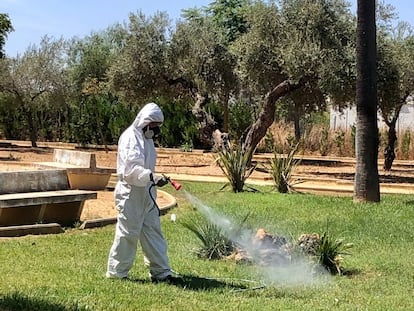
x=282, y=168
x=236, y=165
x=331, y=252
x=214, y=243
x=325, y=250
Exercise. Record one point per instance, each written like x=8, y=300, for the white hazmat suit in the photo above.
x=138, y=216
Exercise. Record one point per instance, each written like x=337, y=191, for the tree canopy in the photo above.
x=294, y=56
x=5, y=28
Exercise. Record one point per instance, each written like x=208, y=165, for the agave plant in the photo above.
x=236, y=165
x=282, y=168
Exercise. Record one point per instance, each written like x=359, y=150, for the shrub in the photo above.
x=236, y=165
x=240, y=118
x=214, y=244
x=324, y=142
x=340, y=141
x=325, y=249
x=331, y=252
x=282, y=168
x=405, y=144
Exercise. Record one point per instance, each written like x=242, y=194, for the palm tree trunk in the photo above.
x=366, y=184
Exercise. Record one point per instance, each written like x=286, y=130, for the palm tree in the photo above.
x=366, y=184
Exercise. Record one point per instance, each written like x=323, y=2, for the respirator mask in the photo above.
x=152, y=132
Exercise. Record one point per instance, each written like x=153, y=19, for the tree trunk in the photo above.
x=296, y=122
x=225, y=107
x=366, y=184
x=32, y=125
x=207, y=125
x=33, y=132
x=389, y=153
x=266, y=117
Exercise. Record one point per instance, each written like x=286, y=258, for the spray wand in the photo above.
x=176, y=185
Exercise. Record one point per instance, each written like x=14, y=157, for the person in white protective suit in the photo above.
x=138, y=215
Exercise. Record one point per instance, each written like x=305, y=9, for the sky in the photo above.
x=33, y=19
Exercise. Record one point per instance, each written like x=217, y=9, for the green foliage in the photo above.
x=325, y=250
x=405, y=144
x=99, y=120
x=235, y=165
x=324, y=141
x=394, y=69
x=12, y=122
x=180, y=127
x=282, y=167
x=199, y=54
x=229, y=16
x=137, y=71
x=187, y=147
x=331, y=251
x=214, y=243
x=269, y=142
x=339, y=141
x=31, y=79
x=5, y=28
x=95, y=115
x=121, y=117
x=296, y=40
x=241, y=116
x=218, y=50
x=319, y=118
x=353, y=138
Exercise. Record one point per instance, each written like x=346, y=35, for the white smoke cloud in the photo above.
x=282, y=271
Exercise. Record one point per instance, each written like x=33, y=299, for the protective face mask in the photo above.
x=151, y=133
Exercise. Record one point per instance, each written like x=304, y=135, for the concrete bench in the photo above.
x=81, y=169
x=40, y=196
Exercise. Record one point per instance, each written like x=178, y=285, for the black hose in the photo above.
x=153, y=200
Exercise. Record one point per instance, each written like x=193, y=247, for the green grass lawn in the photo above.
x=67, y=271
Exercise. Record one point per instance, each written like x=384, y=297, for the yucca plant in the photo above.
x=325, y=250
x=331, y=252
x=236, y=165
x=214, y=243
x=281, y=169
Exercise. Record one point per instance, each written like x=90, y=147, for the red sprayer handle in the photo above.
x=176, y=185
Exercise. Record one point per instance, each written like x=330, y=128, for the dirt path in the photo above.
x=332, y=173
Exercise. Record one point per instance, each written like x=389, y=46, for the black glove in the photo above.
x=159, y=181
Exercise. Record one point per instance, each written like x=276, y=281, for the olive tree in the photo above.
x=29, y=79
x=395, y=80
x=137, y=73
x=191, y=63
x=297, y=48
x=201, y=62
x=94, y=112
x=5, y=28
